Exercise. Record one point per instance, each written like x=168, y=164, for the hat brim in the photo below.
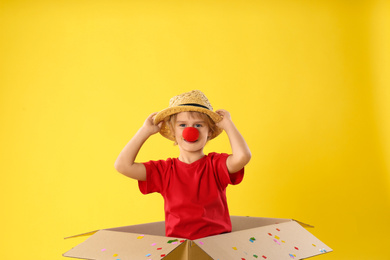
x=163, y=114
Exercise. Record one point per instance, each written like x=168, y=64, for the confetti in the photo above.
x=163, y=255
x=276, y=241
x=264, y=257
x=313, y=244
x=270, y=234
x=255, y=256
x=159, y=248
x=323, y=250
x=181, y=241
x=153, y=244
x=252, y=239
x=292, y=256
x=115, y=255
x=234, y=248
x=148, y=255
x=296, y=248
x=200, y=242
x=140, y=237
x=104, y=249
x=278, y=229
x=171, y=241
x=277, y=237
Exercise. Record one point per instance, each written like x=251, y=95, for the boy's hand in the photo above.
x=149, y=126
x=226, y=118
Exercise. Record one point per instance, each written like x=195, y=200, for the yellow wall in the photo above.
x=306, y=82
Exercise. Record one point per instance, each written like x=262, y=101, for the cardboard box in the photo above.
x=251, y=238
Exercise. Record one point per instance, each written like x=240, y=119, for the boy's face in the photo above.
x=188, y=119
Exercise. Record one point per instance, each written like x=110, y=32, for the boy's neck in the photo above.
x=190, y=157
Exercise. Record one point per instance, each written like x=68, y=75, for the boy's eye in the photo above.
x=182, y=125
x=198, y=125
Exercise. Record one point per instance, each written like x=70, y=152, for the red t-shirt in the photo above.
x=194, y=194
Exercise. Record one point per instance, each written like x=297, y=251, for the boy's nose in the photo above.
x=190, y=134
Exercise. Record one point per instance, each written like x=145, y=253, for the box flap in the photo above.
x=251, y=238
x=108, y=244
x=286, y=240
x=154, y=228
x=243, y=223
x=196, y=253
x=188, y=251
x=158, y=228
x=180, y=252
x=83, y=234
x=303, y=224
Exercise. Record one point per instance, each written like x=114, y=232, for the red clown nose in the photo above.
x=190, y=134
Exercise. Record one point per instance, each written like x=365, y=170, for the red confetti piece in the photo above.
x=270, y=234
x=264, y=257
x=181, y=241
x=242, y=258
x=296, y=248
x=278, y=229
x=163, y=255
x=159, y=248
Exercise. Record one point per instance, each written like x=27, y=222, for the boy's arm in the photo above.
x=241, y=154
x=125, y=162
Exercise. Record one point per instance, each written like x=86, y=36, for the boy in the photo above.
x=194, y=184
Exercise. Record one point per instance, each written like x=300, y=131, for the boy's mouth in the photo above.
x=190, y=142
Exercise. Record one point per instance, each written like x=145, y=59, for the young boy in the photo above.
x=194, y=184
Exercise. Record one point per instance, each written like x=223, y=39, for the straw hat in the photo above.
x=195, y=101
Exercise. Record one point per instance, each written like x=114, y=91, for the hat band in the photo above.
x=195, y=105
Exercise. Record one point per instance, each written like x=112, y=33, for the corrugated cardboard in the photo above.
x=251, y=238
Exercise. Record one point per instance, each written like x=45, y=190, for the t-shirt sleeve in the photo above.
x=155, y=175
x=226, y=178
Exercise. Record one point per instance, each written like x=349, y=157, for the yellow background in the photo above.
x=306, y=82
